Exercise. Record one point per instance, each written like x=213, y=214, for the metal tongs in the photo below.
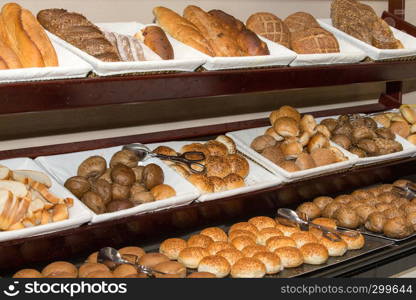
x=192, y=158
x=111, y=258
x=408, y=191
x=289, y=217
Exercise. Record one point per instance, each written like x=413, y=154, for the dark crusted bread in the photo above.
x=78, y=31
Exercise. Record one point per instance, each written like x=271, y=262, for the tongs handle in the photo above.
x=329, y=233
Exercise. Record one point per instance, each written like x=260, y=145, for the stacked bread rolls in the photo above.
x=23, y=41
x=379, y=209
x=296, y=142
x=225, y=168
x=402, y=123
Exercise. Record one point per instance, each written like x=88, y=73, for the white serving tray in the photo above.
x=65, y=166
x=70, y=66
x=243, y=138
x=348, y=54
x=409, y=150
x=257, y=179
x=78, y=214
x=186, y=58
x=279, y=56
x=408, y=41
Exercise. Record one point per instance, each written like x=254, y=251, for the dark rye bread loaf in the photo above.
x=77, y=30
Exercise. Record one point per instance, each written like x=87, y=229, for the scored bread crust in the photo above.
x=181, y=29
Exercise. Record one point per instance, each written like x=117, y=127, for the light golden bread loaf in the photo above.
x=218, y=38
x=8, y=59
x=181, y=29
x=24, y=35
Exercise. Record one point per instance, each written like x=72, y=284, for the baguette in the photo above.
x=231, y=24
x=8, y=59
x=218, y=38
x=155, y=38
x=181, y=29
x=18, y=39
x=251, y=44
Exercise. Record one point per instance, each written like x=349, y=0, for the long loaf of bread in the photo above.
x=25, y=36
x=77, y=30
x=181, y=29
x=218, y=37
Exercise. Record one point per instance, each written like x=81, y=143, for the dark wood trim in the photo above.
x=397, y=7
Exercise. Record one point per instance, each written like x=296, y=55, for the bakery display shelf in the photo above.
x=154, y=226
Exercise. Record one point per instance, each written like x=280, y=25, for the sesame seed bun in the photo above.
x=215, y=233
x=276, y=242
x=290, y=257
x=216, y=247
x=241, y=242
x=262, y=222
x=249, y=251
x=190, y=257
x=248, y=267
x=270, y=260
x=216, y=265
x=172, y=247
x=314, y=254
x=303, y=237
x=231, y=255
x=267, y=233
x=199, y=240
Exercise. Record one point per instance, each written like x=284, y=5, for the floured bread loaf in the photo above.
x=269, y=26
x=300, y=21
x=314, y=41
x=361, y=21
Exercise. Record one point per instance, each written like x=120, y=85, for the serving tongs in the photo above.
x=289, y=217
x=192, y=158
x=112, y=258
x=408, y=191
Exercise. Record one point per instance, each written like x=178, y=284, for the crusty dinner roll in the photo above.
x=286, y=127
x=353, y=243
x=172, y=247
x=163, y=191
x=231, y=255
x=290, y=257
x=216, y=265
x=215, y=233
x=122, y=271
x=60, y=269
x=267, y=233
x=152, y=259
x=235, y=233
x=239, y=164
x=276, y=242
x=318, y=141
x=234, y=181
x=305, y=161
x=27, y=273
x=291, y=149
x=322, y=201
x=262, y=222
x=218, y=184
x=248, y=267
x=310, y=209
x=271, y=132
x=201, y=182
x=244, y=226
x=314, y=254
x=201, y=275
x=334, y=248
x=171, y=269
x=289, y=166
x=180, y=169
x=287, y=230
x=191, y=256
x=88, y=268
x=228, y=142
x=270, y=260
x=199, y=240
x=216, y=247
x=250, y=250
x=284, y=111
x=323, y=156
x=303, y=237
x=217, y=166
x=241, y=242
x=216, y=148
x=262, y=142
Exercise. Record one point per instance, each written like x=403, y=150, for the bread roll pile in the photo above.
x=296, y=142
x=214, y=33
x=379, y=209
x=23, y=41
x=361, y=136
x=25, y=200
x=299, y=31
x=402, y=123
x=122, y=185
x=361, y=21
x=225, y=168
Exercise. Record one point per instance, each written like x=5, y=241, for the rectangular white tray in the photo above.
x=65, y=166
x=408, y=41
x=70, y=66
x=78, y=214
x=348, y=54
x=409, y=150
x=279, y=56
x=186, y=58
x=243, y=138
x=257, y=179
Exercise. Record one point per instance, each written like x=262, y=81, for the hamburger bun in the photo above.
x=244, y=226
x=290, y=257
x=353, y=243
x=231, y=255
x=334, y=248
x=123, y=270
x=87, y=268
x=267, y=233
x=270, y=260
x=314, y=254
x=262, y=222
x=216, y=247
x=287, y=230
x=60, y=269
x=215, y=233
x=303, y=237
x=172, y=247
x=277, y=242
x=249, y=251
x=236, y=233
x=191, y=256
x=199, y=240
x=216, y=265
x=248, y=267
x=152, y=259
x=241, y=242
x=170, y=269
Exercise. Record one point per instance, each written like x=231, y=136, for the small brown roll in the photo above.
x=234, y=181
x=375, y=222
x=215, y=233
x=290, y=257
x=397, y=227
x=217, y=166
x=318, y=141
x=165, y=150
x=354, y=243
x=201, y=182
x=322, y=202
x=323, y=156
x=152, y=259
x=87, y=268
x=334, y=248
x=289, y=166
x=136, y=251
x=155, y=38
x=310, y=209
x=286, y=127
x=239, y=165
x=262, y=142
x=347, y=218
x=199, y=240
x=163, y=191
x=305, y=161
x=216, y=148
x=218, y=184
x=172, y=247
x=124, y=270
x=291, y=149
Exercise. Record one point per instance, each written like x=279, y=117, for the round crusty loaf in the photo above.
x=269, y=26
x=300, y=21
